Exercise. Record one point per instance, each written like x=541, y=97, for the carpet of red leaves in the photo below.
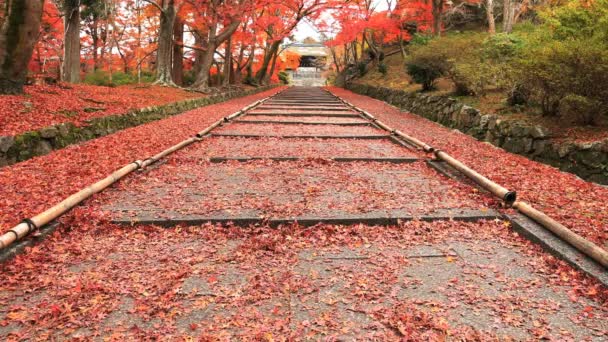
x=89, y=275
x=580, y=205
x=48, y=105
x=100, y=280
x=29, y=187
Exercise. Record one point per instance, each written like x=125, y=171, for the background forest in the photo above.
x=542, y=60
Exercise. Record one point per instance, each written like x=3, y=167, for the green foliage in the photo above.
x=250, y=80
x=283, y=77
x=559, y=69
x=578, y=20
x=419, y=39
x=501, y=47
x=566, y=65
x=383, y=68
x=102, y=78
x=425, y=70
x=580, y=109
x=439, y=57
x=362, y=68
x=559, y=64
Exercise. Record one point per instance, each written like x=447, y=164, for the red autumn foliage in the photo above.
x=45, y=105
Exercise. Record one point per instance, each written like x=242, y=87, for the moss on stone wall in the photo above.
x=587, y=160
x=43, y=141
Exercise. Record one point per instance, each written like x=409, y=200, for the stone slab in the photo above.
x=234, y=147
x=267, y=190
x=282, y=130
x=556, y=246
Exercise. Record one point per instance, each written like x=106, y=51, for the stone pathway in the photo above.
x=369, y=242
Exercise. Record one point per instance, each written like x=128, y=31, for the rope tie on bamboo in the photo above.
x=139, y=164
x=31, y=226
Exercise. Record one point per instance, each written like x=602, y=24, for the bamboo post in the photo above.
x=24, y=228
x=506, y=195
x=585, y=246
x=414, y=141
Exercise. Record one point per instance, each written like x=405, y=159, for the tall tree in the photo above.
x=490, y=16
x=164, y=52
x=218, y=12
x=227, y=63
x=437, y=13
x=70, y=68
x=18, y=36
x=178, y=52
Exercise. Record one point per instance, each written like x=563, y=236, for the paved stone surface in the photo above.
x=267, y=189
x=341, y=290
x=324, y=119
x=301, y=148
x=374, y=272
x=280, y=130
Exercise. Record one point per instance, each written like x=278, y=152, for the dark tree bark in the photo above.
x=260, y=76
x=70, y=68
x=18, y=36
x=437, y=11
x=164, y=54
x=214, y=40
x=272, y=67
x=227, y=63
x=178, y=53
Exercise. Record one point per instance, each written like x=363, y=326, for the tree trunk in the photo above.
x=268, y=76
x=227, y=63
x=437, y=12
x=490, y=15
x=70, y=68
x=164, y=64
x=199, y=41
x=18, y=36
x=215, y=39
x=178, y=53
x=508, y=15
x=95, y=38
x=202, y=77
x=261, y=74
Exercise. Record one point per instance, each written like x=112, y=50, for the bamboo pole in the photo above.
x=508, y=196
x=585, y=246
x=414, y=141
x=24, y=228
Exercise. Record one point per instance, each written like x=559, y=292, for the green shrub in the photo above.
x=569, y=68
x=362, y=68
x=283, y=77
x=501, y=47
x=419, y=39
x=383, y=68
x=102, y=78
x=98, y=78
x=580, y=109
x=425, y=71
x=439, y=57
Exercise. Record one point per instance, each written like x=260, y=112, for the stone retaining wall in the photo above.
x=14, y=149
x=587, y=160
